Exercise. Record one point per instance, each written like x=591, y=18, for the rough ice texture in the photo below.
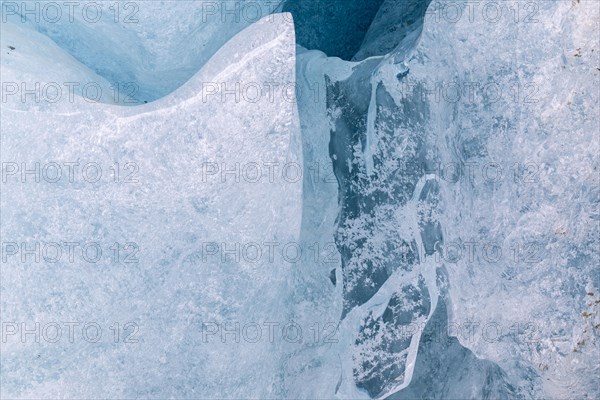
x=390, y=131
x=169, y=213
x=395, y=122
x=551, y=53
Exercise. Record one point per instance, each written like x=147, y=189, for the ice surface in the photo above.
x=399, y=170
x=541, y=128
x=169, y=212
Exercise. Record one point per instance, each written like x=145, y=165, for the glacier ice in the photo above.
x=475, y=95
x=168, y=212
x=546, y=100
x=438, y=129
x=525, y=90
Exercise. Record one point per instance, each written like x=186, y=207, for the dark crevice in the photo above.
x=355, y=29
x=336, y=27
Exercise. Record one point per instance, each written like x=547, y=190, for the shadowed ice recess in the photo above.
x=388, y=94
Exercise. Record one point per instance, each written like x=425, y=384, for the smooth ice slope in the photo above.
x=32, y=63
x=157, y=45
